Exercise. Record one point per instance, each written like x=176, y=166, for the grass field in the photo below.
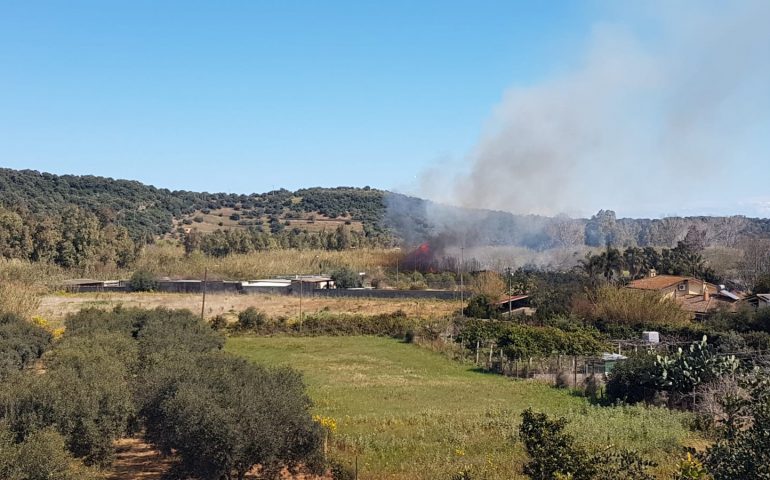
x=413, y=414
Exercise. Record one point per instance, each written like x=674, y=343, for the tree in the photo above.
x=15, y=239
x=601, y=229
x=143, y=281
x=488, y=284
x=346, y=278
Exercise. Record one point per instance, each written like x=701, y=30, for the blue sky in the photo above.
x=245, y=96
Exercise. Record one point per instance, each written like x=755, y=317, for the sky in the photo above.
x=449, y=100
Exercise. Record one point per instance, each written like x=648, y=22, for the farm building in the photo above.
x=307, y=283
x=269, y=285
x=515, y=304
x=90, y=285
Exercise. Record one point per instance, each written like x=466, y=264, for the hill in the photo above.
x=146, y=210
x=309, y=217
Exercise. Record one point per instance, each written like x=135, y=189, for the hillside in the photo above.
x=149, y=212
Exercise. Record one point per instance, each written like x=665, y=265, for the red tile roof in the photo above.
x=658, y=282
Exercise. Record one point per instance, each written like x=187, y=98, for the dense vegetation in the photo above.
x=117, y=373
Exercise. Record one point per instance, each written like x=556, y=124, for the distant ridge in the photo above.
x=146, y=210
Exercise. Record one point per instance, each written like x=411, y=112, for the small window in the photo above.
x=682, y=287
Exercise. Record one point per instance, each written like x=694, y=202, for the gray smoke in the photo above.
x=648, y=123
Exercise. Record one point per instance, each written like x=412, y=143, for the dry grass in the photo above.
x=165, y=259
x=19, y=299
x=54, y=307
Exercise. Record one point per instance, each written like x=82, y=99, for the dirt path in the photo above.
x=137, y=460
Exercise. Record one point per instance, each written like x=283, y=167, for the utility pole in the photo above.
x=396, y=269
x=510, y=293
x=203, y=303
x=300, y=303
x=462, y=284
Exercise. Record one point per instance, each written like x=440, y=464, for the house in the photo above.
x=693, y=295
x=759, y=301
x=763, y=300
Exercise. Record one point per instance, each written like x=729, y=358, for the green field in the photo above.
x=411, y=413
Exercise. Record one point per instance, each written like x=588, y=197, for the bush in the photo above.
x=481, y=306
x=638, y=309
x=522, y=341
x=346, y=278
x=562, y=379
x=633, y=380
x=219, y=322
x=555, y=455
x=143, y=281
x=251, y=319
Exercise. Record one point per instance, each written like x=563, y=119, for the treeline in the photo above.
x=73, y=238
x=160, y=372
x=416, y=220
x=221, y=243
x=633, y=263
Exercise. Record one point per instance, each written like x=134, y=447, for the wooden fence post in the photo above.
x=574, y=375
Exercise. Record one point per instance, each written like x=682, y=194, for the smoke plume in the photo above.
x=653, y=120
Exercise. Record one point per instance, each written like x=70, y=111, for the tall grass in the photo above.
x=19, y=298
x=165, y=260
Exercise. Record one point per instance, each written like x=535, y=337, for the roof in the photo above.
x=659, y=282
x=512, y=298
x=613, y=357
x=764, y=296
x=697, y=304
x=84, y=281
x=312, y=278
x=267, y=283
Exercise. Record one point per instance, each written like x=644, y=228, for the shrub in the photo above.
x=481, y=306
x=219, y=322
x=251, y=319
x=21, y=344
x=742, y=449
x=562, y=379
x=623, y=306
x=346, y=278
x=633, y=380
x=143, y=281
x=555, y=455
